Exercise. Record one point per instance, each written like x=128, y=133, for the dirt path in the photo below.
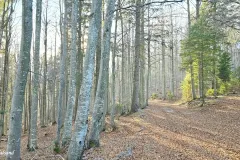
x=162, y=131
x=167, y=131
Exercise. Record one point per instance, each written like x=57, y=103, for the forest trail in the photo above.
x=170, y=131
x=162, y=131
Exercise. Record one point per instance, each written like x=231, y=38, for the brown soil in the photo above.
x=162, y=131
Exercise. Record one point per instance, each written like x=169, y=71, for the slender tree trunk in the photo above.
x=76, y=147
x=163, y=71
x=55, y=82
x=142, y=60
x=62, y=75
x=122, y=60
x=163, y=64
x=29, y=101
x=135, y=95
x=72, y=79
x=25, y=110
x=35, y=80
x=98, y=110
x=113, y=111
x=201, y=83
x=172, y=57
x=5, y=79
x=14, y=137
x=79, y=58
x=129, y=66
x=149, y=59
x=200, y=61
x=44, y=103
x=191, y=61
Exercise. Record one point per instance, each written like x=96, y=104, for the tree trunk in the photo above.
x=142, y=60
x=172, y=57
x=135, y=95
x=149, y=59
x=76, y=147
x=122, y=60
x=113, y=111
x=79, y=58
x=35, y=80
x=191, y=61
x=98, y=110
x=15, y=126
x=163, y=71
x=62, y=75
x=5, y=79
x=72, y=79
x=55, y=82
x=44, y=102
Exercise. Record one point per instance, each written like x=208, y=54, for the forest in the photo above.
x=120, y=79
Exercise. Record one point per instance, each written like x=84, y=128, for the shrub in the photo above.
x=223, y=89
x=119, y=108
x=170, y=95
x=186, y=88
x=210, y=92
x=154, y=96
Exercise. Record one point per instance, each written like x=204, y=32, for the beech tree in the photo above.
x=14, y=137
x=35, y=79
x=136, y=84
x=98, y=111
x=76, y=147
x=72, y=78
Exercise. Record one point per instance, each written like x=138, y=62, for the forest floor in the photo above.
x=162, y=131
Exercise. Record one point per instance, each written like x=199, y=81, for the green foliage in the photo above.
x=56, y=148
x=170, y=95
x=92, y=144
x=210, y=92
x=224, y=67
x=223, y=89
x=154, y=96
x=1, y=7
x=3, y=112
x=119, y=108
x=203, y=44
x=234, y=84
x=1, y=123
x=236, y=74
x=119, y=105
x=186, y=88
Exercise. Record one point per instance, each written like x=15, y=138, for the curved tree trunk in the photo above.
x=76, y=147
x=98, y=110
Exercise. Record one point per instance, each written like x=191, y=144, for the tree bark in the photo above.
x=72, y=79
x=149, y=59
x=15, y=126
x=163, y=65
x=62, y=75
x=98, y=110
x=142, y=60
x=44, y=102
x=135, y=94
x=79, y=58
x=76, y=147
x=113, y=111
x=190, y=57
x=35, y=80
